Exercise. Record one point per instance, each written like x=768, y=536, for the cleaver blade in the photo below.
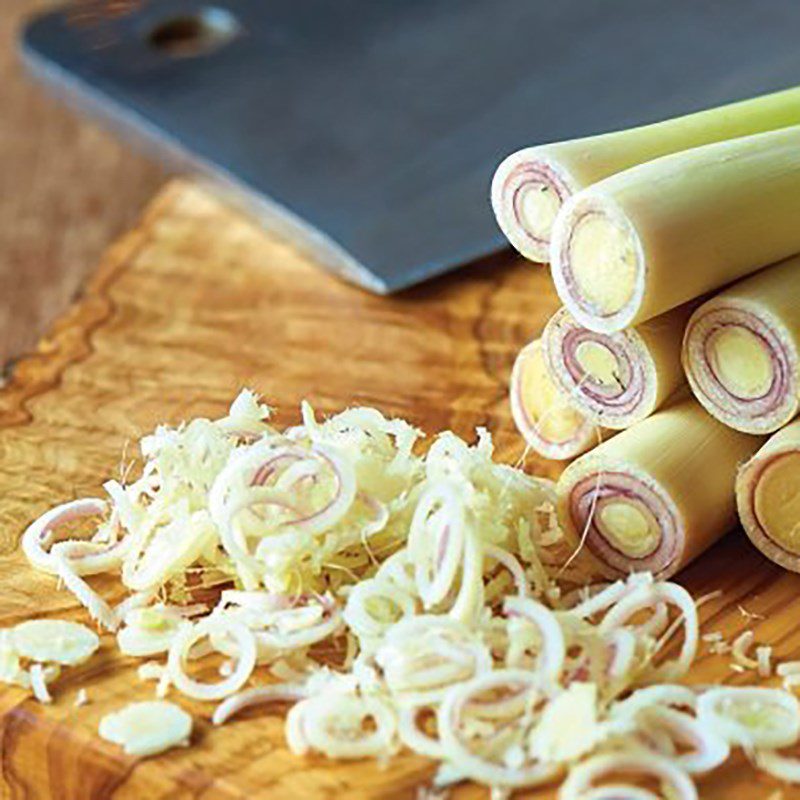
x=367, y=131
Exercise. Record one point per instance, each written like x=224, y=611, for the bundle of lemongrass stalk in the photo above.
x=675, y=249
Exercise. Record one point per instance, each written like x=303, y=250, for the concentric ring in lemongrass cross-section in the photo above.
x=768, y=498
x=597, y=262
x=542, y=413
x=657, y=235
x=656, y=495
x=528, y=190
x=616, y=379
x=741, y=351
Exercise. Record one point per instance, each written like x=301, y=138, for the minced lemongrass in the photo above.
x=369, y=579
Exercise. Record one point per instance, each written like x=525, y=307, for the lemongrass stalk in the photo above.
x=768, y=498
x=741, y=350
x=531, y=185
x=657, y=235
x=656, y=495
x=550, y=425
x=616, y=379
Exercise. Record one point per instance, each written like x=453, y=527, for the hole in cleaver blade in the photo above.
x=368, y=131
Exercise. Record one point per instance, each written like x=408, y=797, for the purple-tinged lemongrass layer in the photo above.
x=765, y=402
x=656, y=495
x=768, y=498
x=532, y=184
x=652, y=237
x=528, y=191
x=597, y=262
x=616, y=379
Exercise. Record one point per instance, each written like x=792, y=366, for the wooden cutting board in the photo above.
x=193, y=304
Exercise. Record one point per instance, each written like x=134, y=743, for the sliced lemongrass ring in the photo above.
x=41, y=533
x=707, y=750
x=784, y=768
x=416, y=739
x=751, y=717
x=581, y=779
x=262, y=695
x=648, y=597
x=337, y=725
x=189, y=636
x=468, y=699
x=553, y=649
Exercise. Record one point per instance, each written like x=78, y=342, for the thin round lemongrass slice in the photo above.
x=281, y=693
x=579, y=783
x=662, y=695
x=650, y=238
x=784, y=768
x=192, y=633
x=751, y=717
x=343, y=726
x=375, y=605
x=768, y=498
x=552, y=647
x=550, y=425
x=616, y=379
x=464, y=701
x=436, y=542
x=707, y=749
x=41, y=534
x=54, y=640
x=423, y=656
x=634, y=501
x=741, y=351
x=415, y=739
x=648, y=597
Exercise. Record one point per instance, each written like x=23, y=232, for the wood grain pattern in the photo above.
x=191, y=305
x=67, y=190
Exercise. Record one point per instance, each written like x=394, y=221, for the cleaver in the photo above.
x=367, y=131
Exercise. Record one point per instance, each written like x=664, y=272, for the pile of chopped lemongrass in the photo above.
x=396, y=596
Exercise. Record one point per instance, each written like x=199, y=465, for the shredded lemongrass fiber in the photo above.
x=397, y=597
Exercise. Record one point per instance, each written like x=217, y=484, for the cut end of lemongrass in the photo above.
x=548, y=423
x=597, y=263
x=768, y=498
x=742, y=366
x=625, y=520
x=633, y=503
x=611, y=377
x=528, y=190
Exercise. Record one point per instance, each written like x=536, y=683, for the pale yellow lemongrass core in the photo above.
x=544, y=405
x=777, y=501
x=629, y=527
x=741, y=361
x=598, y=361
x=604, y=263
x=537, y=209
